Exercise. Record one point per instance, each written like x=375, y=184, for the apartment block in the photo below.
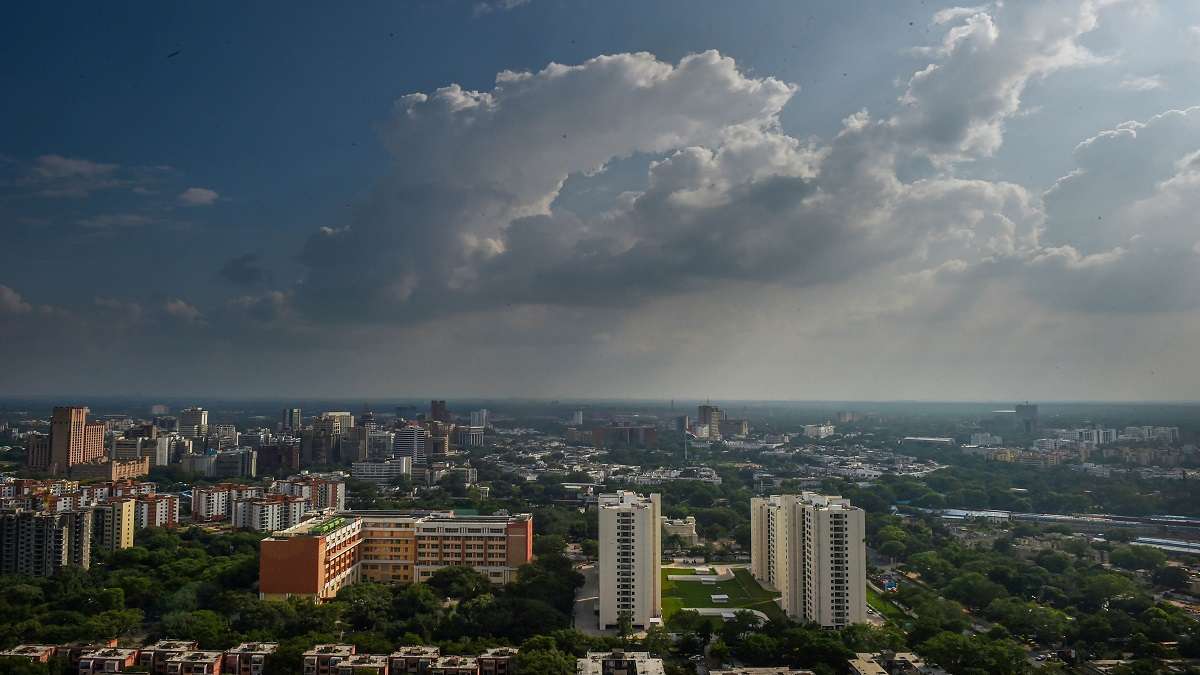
x=106, y=660
x=630, y=558
x=497, y=661
x=216, y=502
x=195, y=663
x=363, y=664
x=454, y=665
x=810, y=548
x=318, y=557
x=269, y=513
x=248, y=658
x=157, y=510
x=412, y=659
x=113, y=524
x=320, y=491
x=154, y=657
x=32, y=653
x=325, y=659
x=38, y=544
x=618, y=662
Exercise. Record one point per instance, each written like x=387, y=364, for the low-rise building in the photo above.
x=684, y=529
x=325, y=659
x=195, y=663
x=154, y=657
x=454, y=665
x=248, y=658
x=412, y=659
x=363, y=664
x=106, y=660
x=619, y=662
x=32, y=653
x=497, y=661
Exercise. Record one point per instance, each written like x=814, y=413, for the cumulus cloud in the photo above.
x=468, y=218
x=11, y=302
x=198, y=196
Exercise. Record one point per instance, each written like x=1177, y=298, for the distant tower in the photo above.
x=291, y=420
x=438, y=411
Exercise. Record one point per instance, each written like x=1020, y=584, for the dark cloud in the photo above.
x=245, y=270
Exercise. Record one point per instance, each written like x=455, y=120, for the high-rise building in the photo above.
x=39, y=544
x=577, y=418
x=1027, y=416
x=479, y=418
x=319, y=444
x=630, y=558
x=113, y=524
x=354, y=445
x=345, y=419
x=810, y=548
x=193, y=422
x=291, y=420
x=641, y=436
x=438, y=411
x=709, y=416
x=410, y=442
x=73, y=440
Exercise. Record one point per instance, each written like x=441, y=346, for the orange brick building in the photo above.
x=319, y=557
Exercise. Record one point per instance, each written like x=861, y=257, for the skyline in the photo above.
x=565, y=200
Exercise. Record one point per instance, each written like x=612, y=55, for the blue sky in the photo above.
x=899, y=170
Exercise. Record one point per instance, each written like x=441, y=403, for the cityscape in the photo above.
x=600, y=537
x=600, y=337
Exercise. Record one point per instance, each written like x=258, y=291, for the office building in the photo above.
x=642, y=436
x=239, y=463
x=438, y=411
x=318, y=557
x=156, y=448
x=810, y=548
x=1027, y=416
x=630, y=555
x=39, y=544
x=410, y=442
x=291, y=420
x=279, y=458
x=479, y=418
x=72, y=440
x=193, y=422
x=382, y=473
x=469, y=437
x=577, y=418
x=710, y=417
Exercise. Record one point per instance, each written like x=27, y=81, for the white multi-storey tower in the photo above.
x=810, y=548
x=630, y=558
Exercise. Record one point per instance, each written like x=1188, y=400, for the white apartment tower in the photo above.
x=810, y=548
x=630, y=555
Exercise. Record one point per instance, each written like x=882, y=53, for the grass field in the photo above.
x=743, y=591
x=885, y=607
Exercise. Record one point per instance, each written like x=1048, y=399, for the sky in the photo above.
x=762, y=199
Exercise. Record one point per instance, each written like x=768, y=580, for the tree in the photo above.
x=1173, y=577
x=459, y=582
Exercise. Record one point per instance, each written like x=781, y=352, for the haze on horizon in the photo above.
x=762, y=200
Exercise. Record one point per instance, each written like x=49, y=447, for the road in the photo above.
x=586, y=602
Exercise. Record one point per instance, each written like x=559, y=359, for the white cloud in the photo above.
x=198, y=196
x=1142, y=83
x=489, y=6
x=11, y=302
x=182, y=310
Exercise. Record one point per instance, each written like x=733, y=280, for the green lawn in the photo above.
x=743, y=591
x=885, y=607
